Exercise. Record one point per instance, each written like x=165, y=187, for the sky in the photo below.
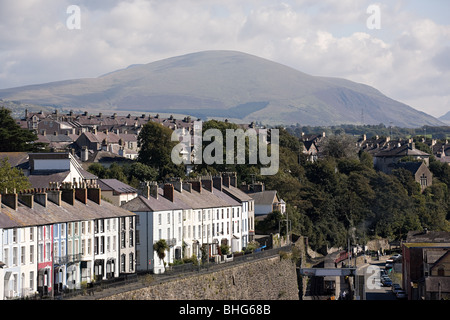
x=400, y=47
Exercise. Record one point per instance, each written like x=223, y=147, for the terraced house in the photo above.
x=56, y=239
x=194, y=217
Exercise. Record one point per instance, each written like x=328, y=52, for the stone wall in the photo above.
x=268, y=279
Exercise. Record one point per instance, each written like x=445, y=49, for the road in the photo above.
x=373, y=286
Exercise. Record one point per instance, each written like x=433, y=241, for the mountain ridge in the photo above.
x=227, y=84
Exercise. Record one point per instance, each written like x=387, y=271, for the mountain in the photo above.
x=226, y=84
x=445, y=118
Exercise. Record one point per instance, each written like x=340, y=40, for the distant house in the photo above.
x=385, y=159
x=426, y=265
x=267, y=201
x=49, y=168
x=419, y=170
x=441, y=151
x=116, y=191
x=124, y=145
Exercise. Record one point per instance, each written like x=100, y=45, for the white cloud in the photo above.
x=406, y=59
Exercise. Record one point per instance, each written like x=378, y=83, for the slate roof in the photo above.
x=116, y=186
x=428, y=237
x=410, y=166
x=404, y=150
x=182, y=200
x=264, y=197
x=52, y=213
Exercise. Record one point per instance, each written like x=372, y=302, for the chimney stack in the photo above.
x=94, y=193
x=197, y=186
x=207, y=183
x=55, y=196
x=178, y=185
x=10, y=200
x=81, y=194
x=68, y=194
x=187, y=186
x=27, y=199
x=84, y=154
x=217, y=182
x=226, y=180
x=41, y=198
x=169, y=191
x=153, y=190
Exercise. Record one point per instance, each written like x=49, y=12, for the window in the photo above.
x=76, y=228
x=32, y=279
x=137, y=220
x=14, y=232
x=122, y=239
x=122, y=263
x=89, y=244
x=122, y=223
x=83, y=245
x=47, y=251
x=423, y=181
x=6, y=257
x=31, y=234
x=31, y=254
x=96, y=245
x=131, y=239
x=63, y=248
x=63, y=229
x=159, y=219
x=102, y=244
x=15, y=256
x=131, y=261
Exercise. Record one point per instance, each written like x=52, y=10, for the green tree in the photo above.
x=340, y=146
x=12, y=178
x=12, y=136
x=160, y=247
x=156, y=149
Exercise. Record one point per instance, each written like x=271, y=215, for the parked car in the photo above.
x=396, y=287
x=401, y=294
x=395, y=258
x=386, y=281
x=388, y=265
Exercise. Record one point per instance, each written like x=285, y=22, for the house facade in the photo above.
x=425, y=271
x=195, y=218
x=48, y=240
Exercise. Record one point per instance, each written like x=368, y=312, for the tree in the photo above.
x=12, y=178
x=340, y=146
x=12, y=136
x=160, y=247
x=156, y=147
